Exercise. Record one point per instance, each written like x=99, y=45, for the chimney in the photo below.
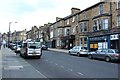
x=75, y=10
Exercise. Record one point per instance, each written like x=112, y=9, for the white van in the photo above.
x=31, y=49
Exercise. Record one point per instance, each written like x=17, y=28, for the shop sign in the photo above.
x=98, y=38
x=114, y=37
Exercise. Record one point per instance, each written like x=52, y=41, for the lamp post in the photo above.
x=9, y=32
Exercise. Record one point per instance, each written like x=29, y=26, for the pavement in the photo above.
x=14, y=66
x=58, y=50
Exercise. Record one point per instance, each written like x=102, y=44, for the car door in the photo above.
x=75, y=50
x=103, y=53
x=96, y=54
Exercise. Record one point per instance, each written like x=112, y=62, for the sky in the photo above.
x=28, y=13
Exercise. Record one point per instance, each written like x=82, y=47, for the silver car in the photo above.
x=106, y=54
x=78, y=50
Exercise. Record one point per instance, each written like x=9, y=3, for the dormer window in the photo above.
x=67, y=21
x=84, y=15
x=101, y=9
x=73, y=19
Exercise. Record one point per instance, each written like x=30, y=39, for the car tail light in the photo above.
x=116, y=55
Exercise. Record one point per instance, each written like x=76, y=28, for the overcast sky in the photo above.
x=28, y=13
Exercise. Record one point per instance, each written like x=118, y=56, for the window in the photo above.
x=84, y=15
x=105, y=23
x=118, y=21
x=99, y=24
x=76, y=29
x=81, y=41
x=95, y=25
x=73, y=19
x=83, y=27
x=101, y=9
x=85, y=40
x=67, y=31
x=67, y=21
x=118, y=5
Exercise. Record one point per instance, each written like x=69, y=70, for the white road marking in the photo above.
x=70, y=69
x=41, y=74
x=13, y=68
x=46, y=60
x=56, y=64
x=80, y=73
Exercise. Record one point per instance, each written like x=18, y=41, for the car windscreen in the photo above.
x=84, y=48
x=34, y=45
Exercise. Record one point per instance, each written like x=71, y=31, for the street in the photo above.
x=57, y=65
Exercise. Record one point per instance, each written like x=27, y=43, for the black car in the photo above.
x=44, y=47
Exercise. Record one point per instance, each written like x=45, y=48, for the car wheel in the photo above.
x=78, y=54
x=90, y=56
x=107, y=59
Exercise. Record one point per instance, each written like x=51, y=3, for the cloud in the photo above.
x=36, y=12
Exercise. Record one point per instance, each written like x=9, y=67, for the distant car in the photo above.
x=31, y=49
x=13, y=46
x=78, y=50
x=44, y=47
x=105, y=54
x=17, y=48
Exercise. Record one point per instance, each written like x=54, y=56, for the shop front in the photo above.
x=111, y=41
x=98, y=42
x=68, y=42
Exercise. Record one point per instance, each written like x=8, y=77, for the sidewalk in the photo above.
x=58, y=50
x=16, y=67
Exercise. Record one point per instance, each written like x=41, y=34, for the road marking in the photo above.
x=70, y=69
x=46, y=60
x=80, y=73
x=13, y=68
x=56, y=64
x=41, y=74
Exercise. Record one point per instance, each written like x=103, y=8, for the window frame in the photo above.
x=101, y=9
x=104, y=24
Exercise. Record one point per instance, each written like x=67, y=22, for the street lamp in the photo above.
x=9, y=32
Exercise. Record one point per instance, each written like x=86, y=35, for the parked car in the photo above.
x=12, y=46
x=106, y=54
x=78, y=50
x=30, y=49
x=18, y=48
x=44, y=47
